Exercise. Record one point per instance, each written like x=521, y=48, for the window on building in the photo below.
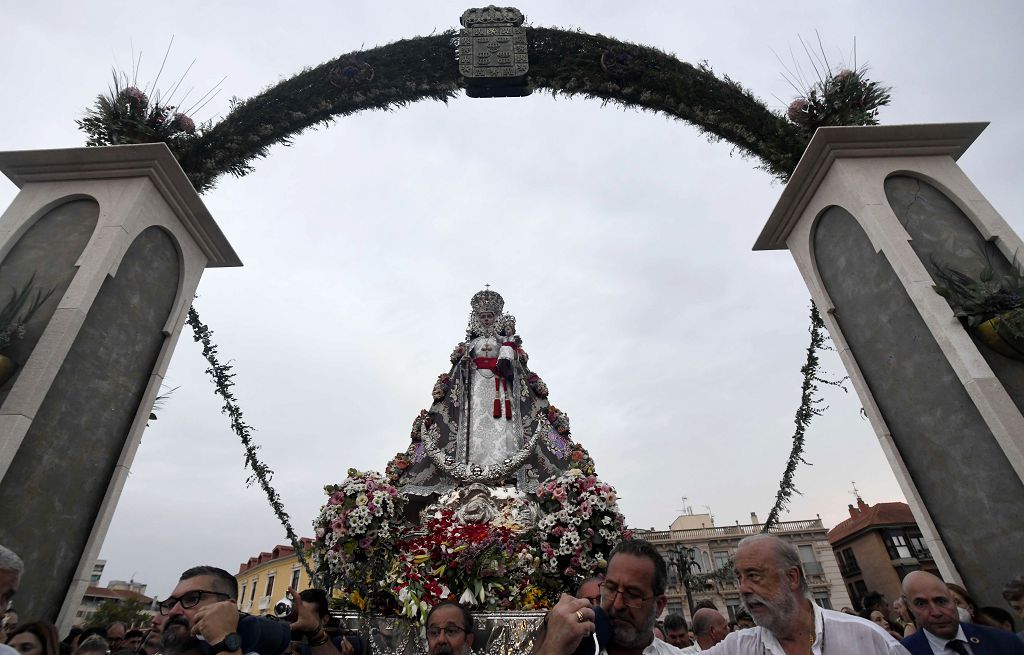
x=270, y=585
x=241, y=596
x=823, y=600
x=295, y=578
x=705, y=560
x=857, y=591
x=897, y=545
x=252, y=594
x=675, y=607
x=733, y=609
x=917, y=545
x=809, y=560
x=721, y=558
x=848, y=562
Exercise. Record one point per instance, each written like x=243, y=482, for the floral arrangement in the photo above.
x=128, y=115
x=990, y=303
x=479, y=565
x=355, y=532
x=846, y=97
x=580, y=526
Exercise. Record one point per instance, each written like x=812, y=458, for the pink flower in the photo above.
x=183, y=123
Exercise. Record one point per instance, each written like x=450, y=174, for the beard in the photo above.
x=177, y=637
x=628, y=634
x=774, y=614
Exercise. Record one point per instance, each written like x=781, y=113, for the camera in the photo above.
x=285, y=609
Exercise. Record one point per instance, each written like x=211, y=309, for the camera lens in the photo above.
x=283, y=608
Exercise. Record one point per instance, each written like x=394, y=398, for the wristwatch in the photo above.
x=229, y=644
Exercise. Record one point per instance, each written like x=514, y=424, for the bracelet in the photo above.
x=315, y=631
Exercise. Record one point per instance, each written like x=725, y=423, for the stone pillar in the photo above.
x=867, y=212
x=121, y=238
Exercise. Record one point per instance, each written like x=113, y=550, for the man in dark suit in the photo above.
x=939, y=629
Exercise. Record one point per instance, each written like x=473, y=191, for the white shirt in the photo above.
x=659, y=647
x=695, y=648
x=835, y=633
x=939, y=646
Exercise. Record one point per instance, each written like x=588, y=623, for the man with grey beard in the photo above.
x=775, y=592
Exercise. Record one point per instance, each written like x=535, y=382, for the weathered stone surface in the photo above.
x=49, y=250
x=62, y=471
x=941, y=232
x=961, y=472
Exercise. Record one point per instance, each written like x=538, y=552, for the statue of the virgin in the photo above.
x=490, y=423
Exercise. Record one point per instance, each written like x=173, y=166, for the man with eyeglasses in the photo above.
x=774, y=590
x=203, y=604
x=632, y=595
x=449, y=630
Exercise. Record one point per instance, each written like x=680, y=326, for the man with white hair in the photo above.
x=775, y=592
x=11, y=568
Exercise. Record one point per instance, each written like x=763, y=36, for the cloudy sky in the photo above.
x=621, y=241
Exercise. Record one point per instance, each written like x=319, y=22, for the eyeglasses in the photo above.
x=188, y=600
x=450, y=631
x=630, y=597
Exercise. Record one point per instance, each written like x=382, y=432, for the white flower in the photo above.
x=467, y=598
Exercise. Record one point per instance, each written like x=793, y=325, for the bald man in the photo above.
x=710, y=627
x=939, y=629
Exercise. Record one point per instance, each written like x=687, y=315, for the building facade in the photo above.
x=265, y=578
x=877, y=546
x=712, y=549
x=117, y=591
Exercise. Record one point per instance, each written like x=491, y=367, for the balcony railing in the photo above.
x=727, y=531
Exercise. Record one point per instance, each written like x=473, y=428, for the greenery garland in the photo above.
x=222, y=380
x=562, y=62
x=808, y=409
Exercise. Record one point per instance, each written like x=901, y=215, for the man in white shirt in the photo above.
x=775, y=592
x=710, y=628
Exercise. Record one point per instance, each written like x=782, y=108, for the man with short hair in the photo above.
x=203, y=604
x=449, y=629
x=591, y=590
x=132, y=640
x=115, y=633
x=710, y=628
x=774, y=590
x=939, y=630
x=677, y=632
x=632, y=595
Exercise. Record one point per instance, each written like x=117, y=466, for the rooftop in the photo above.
x=864, y=517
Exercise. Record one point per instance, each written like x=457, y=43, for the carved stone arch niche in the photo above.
x=46, y=251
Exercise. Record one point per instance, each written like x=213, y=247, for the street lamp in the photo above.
x=685, y=561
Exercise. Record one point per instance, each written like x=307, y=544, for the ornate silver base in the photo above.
x=495, y=633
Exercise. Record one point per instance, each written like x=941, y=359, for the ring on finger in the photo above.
x=579, y=616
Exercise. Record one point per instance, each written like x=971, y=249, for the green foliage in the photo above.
x=977, y=298
x=261, y=473
x=846, y=97
x=127, y=115
x=18, y=310
x=810, y=406
x=561, y=61
x=129, y=611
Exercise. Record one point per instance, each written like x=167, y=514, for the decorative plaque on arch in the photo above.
x=493, y=54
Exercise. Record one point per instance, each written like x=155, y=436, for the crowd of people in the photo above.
x=617, y=614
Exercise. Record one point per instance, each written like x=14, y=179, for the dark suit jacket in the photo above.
x=989, y=641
